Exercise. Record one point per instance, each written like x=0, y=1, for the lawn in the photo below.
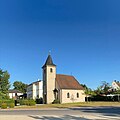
x=68, y=105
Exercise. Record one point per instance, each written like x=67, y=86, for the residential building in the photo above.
x=14, y=94
x=116, y=85
x=64, y=88
x=35, y=90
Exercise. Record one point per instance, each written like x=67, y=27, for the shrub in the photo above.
x=39, y=101
x=56, y=101
x=6, y=101
x=27, y=102
x=31, y=103
x=11, y=105
x=24, y=102
x=0, y=103
x=4, y=105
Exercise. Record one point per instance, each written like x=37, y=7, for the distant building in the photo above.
x=14, y=94
x=35, y=90
x=116, y=85
x=60, y=87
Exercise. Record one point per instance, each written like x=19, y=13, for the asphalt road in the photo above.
x=79, y=113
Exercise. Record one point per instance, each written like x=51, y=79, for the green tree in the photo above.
x=103, y=88
x=88, y=91
x=18, y=85
x=98, y=91
x=4, y=81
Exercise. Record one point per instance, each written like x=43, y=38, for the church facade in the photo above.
x=63, y=88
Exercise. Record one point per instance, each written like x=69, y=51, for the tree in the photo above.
x=98, y=91
x=18, y=85
x=103, y=88
x=4, y=81
x=88, y=91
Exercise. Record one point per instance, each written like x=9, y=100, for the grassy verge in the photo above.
x=68, y=105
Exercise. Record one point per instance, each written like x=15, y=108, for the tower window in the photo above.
x=77, y=95
x=51, y=70
x=68, y=95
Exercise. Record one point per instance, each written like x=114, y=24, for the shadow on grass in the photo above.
x=106, y=111
x=65, y=117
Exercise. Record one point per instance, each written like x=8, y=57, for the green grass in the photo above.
x=68, y=105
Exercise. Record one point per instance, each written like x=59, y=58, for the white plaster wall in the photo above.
x=35, y=89
x=73, y=96
x=12, y=95
x=41, y=89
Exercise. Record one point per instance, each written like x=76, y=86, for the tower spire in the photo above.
x=49, y=61
x=49, y=53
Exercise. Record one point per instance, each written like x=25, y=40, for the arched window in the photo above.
x=68, y=95
x=77, y=95
x=51, y=70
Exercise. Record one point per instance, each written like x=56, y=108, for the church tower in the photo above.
x=49, y=76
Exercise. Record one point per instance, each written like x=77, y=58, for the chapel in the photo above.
x=61, y=87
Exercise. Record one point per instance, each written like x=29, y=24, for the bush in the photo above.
x=6, y=101
x=39, y=101
x=56, y=101
x=11, y=105
x=24, y=102
x=27, y=102
x=31, y=103
x=0, y=103
x=4, y=105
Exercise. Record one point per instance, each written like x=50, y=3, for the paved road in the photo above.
x=79, y=113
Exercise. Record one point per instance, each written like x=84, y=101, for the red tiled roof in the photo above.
x=68, y=82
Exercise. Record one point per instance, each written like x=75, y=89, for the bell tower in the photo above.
x=49, y=75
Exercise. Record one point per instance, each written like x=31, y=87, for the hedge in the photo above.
x=27, y=102
x=8, y=102
x=4, y=105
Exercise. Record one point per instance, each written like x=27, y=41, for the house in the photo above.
x=64, y=88
x=116, y=85
x=35, y=90
x=14, y=94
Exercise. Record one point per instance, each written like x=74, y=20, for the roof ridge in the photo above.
x=65, y=75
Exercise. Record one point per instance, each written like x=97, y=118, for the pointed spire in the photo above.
x=49, y=61
x=49, y=53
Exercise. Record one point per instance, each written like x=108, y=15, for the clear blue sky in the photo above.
x=83, y=36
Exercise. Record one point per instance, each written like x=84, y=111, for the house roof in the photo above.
x=35, y=82
x=118, y=83
x=14, y=91
x=68, y=82
x=49, y=61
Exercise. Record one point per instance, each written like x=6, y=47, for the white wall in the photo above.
x=35, y=90
x=12, y=95
x=73, y=96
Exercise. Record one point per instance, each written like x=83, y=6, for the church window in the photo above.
x=77, y=95
x=51, y=70
x=68, y=95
